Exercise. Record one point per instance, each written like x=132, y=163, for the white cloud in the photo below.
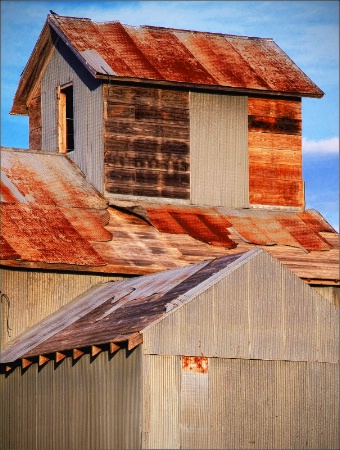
x=323, y=146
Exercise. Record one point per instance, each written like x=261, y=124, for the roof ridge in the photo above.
x=153, y=27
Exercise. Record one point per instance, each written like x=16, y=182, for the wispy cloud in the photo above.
x=323, y=146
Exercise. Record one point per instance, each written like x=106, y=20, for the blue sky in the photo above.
x=308, y=31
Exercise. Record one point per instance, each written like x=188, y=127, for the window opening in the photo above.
x=65, y=119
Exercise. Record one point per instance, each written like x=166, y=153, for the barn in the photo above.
x=163, y=285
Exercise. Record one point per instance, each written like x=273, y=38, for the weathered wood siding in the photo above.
x=33, y=295
x=218, y=150
x=91, y=403
x=35, y=124
x=146, y=142
x=88, y=113
x=239, y=404
x=275, y=152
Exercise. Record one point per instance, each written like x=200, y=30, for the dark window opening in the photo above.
x=66, y=119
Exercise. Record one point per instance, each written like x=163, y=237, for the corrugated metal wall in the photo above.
x=274, y=317
x=271, y=346
x=80, y=405
x=161, y=406
x=332, y=294
x=34, y=295
x=88, y=113
x=219, y=150
x=242, y=404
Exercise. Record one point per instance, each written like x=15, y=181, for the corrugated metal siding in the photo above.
x=79, y=405
x=161, y=406
x=88, y=114
x=332, y=294
x=26, y=289
x=277, y=317
x=219, y=150
x=271, y=404
x=241, y=404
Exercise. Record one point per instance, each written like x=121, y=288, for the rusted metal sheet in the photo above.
x=169, y=56
x=49, y=211
x=6, y=250
x=275, y=227
x=197, y=364
x=256, y=226
x=47, y=179
x=187, y=56
x=204, y=224
x=43, y=233
x=140, y=237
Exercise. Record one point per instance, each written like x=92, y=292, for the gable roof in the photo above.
x=111, y=50
x=115, y=311
x=52, y=218
x=120, y=312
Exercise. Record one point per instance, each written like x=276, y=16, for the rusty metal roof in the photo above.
x=170, y=56
x=116, y=311
x=49, y=212
x=46, y=226
x=45, y=178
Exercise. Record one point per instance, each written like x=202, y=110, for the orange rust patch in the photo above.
x=197, y=364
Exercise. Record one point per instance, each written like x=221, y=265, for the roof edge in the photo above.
x=192, y=293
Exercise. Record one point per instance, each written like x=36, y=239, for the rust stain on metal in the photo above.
x=187, y=56
x=315, y=221
x=42, y=233
x=170, y=56
x=205, y=224
x=280, y=228
x=6, y=250
x=47, y=179
x=198, y=364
